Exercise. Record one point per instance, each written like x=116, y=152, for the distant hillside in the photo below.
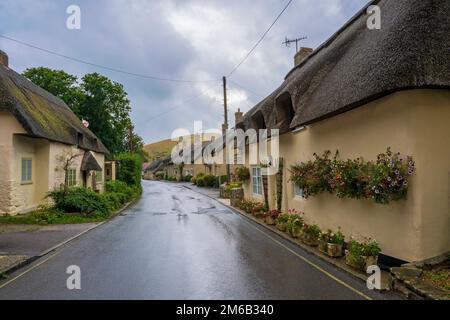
x=164, y=148
x=160, y=149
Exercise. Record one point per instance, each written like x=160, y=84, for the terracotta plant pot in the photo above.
x=360, y=263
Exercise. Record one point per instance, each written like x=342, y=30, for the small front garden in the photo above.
x=82, y=205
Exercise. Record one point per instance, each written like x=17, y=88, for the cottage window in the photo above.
x=98, y=176
x=256, y=181
x=71, y=177
x=298, y=192
x=26, y=170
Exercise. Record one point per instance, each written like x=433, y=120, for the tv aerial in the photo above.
x=287, y=42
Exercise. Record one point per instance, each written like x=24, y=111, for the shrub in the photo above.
x=200, y=181
x=124, y=192
x=194, y=180
x=160, y=175
x=80, y=200
x=130, y=168
x=187, y=178
x=210, y=180
x=242, y=173
x=223, y=179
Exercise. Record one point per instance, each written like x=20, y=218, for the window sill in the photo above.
x=26, y=183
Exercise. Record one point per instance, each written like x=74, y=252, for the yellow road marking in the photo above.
x=28, y=270
x=313, y=264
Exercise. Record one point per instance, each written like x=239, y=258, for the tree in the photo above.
x=59, y=83
x=104, y=103
x=106, y=106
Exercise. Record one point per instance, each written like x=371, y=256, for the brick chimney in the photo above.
x=3, y=58
x=302, y=54
x=238, y=116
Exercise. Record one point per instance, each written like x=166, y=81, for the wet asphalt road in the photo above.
x=178, y=244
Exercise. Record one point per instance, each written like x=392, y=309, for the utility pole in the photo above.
x=130, y=138
x=225, y=127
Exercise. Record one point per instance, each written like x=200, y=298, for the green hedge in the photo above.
x=80, y=200
x=89, y=203
x=130, y=168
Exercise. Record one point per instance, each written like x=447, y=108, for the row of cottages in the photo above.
x=361, y=92
x=40, y=140
x=196, y=164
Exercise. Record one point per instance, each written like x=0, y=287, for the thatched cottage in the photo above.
x=43, y=145
x=361, y=92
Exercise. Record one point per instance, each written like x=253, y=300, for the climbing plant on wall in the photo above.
x=383, y=180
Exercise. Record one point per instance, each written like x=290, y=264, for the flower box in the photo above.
x=270, y=221
x=360, y=263
x=281, y=226
x=309, y=239
x=333, y=250
x=296, y=232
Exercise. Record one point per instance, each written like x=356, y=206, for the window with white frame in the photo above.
x=27, y=170
x=71, y=177
x=298, y=192
x=256, y=181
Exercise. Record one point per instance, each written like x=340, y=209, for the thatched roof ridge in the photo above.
x=43, y=115
x=357, y=65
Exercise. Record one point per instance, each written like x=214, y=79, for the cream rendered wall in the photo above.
x=47, y=173
x=414, y=122
x=8, y=126
x=57, y=174
x=26, y=196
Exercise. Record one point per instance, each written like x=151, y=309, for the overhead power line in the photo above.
x=180, y=104
x=151, y=77
x=255, y=94
x=261, y=39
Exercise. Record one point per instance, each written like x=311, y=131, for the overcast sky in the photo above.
x=185, y=39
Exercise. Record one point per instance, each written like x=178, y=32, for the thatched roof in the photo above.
x=89, y=163
x=43, y=115
x=357, y=65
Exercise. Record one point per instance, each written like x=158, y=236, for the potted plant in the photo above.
x=242, y=174
x=332, y=243
x=296, y=227
x=271, y=217
x=282, y=221
x=361, y=255
x=310, y=235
